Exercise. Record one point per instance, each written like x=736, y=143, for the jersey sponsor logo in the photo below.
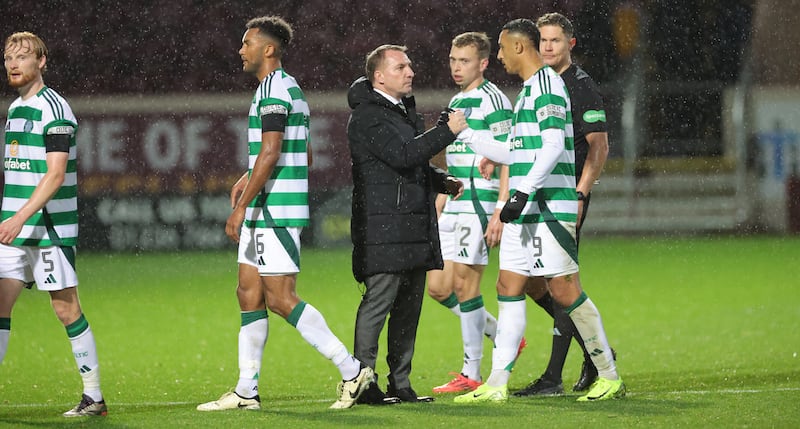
x=592, y=116
x=28, y=125
x=516, y=143
x=273, y=109
x=14, y=164
x=457, y=147
x=61, y=129
x=551, y=110
x=501, y=128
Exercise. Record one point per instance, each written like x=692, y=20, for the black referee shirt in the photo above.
x=588, y=113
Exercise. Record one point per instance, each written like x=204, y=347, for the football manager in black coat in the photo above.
x=394, y=229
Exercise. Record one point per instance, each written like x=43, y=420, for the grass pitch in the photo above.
x=707, y=332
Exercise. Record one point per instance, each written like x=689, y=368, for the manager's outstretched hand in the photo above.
x=444, y=117
x=456, y=121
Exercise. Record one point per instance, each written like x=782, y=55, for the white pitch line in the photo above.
x=284, y=402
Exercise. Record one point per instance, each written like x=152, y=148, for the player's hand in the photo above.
x=513, y=208
x=494, y=230
x=234, y=224
x=457, y=122
x=454, y=187
x=444, y=117
x=237, y=189
x=486, y=168
x=9, y=230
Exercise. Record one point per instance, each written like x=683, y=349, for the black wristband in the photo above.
x=581, y=197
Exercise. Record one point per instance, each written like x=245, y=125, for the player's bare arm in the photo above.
x=494, y=230
x=238, y=188
x=271, y=142
x=593, y=167
x=595, y=161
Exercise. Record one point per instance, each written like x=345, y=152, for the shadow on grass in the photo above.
x=567, y=407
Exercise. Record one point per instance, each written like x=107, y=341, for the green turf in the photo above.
x=707, y=331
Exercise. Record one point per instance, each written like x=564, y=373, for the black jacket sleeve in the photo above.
x=389, y=145
x=438, y=180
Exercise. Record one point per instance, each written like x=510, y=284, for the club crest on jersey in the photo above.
x=467, y=112
x=28, y=126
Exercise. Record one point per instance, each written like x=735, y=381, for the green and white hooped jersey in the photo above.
x=25, y=163
x=285, y=194
x=486, y=108
x=544, y=103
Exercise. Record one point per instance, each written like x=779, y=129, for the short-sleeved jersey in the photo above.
x=285, y=194
x=485, y=108
x=588, y=113
x=544, y=103
x=25, y=163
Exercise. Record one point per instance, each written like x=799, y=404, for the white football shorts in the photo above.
x=461, y=237
x=545, y=255
x=512, y=253
x=274, y=251
x=51, y=267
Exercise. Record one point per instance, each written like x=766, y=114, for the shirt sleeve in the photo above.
x=587, y=106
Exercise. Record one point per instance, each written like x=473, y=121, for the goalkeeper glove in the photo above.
x=513, y=208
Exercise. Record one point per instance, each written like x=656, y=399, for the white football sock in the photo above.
x=5, y=332
x=473, y=322
x=510, y=329
x=316, y=332
x=590, y=325
x=85, y=352
x=252, y=338
x=490, y=329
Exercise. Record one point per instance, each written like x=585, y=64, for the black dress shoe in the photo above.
x=407, y=394
x=374, y=396
x=589, y=374
x=541, y=387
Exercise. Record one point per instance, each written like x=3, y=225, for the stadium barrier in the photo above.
x=155, y=173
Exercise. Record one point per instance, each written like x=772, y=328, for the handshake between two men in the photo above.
x=456, y=120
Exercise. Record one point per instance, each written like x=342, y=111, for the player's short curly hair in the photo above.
x=375, y=58
x=275, y=28
x=559, y=20
x=477, y=39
